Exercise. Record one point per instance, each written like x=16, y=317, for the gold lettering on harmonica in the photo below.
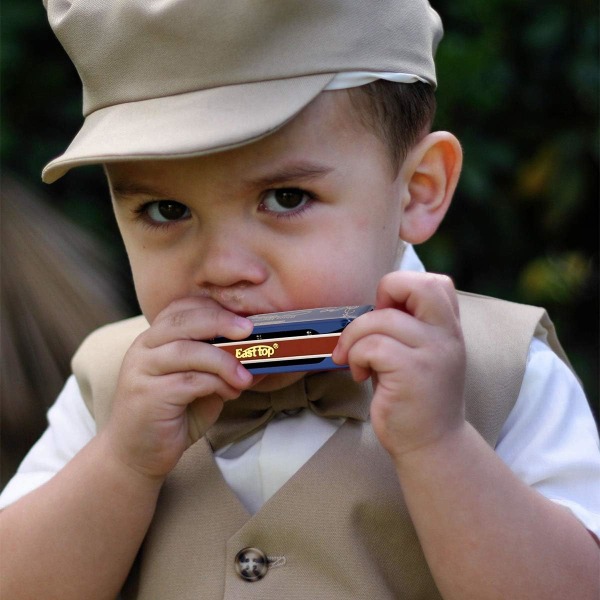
x=260, y=351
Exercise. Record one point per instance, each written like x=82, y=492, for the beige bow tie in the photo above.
x=330, y=394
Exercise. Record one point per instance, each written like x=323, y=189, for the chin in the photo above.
x=277, y=381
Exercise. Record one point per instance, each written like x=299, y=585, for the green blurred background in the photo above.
x=518, y=84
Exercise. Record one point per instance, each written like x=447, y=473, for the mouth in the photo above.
x=247, y=313
x=234, y=300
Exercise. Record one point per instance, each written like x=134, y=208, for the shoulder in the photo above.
x=476, y=306
x=110, y=340
x=507, y=326
x=128, y=329
x=494, y=327
x=97, y=363
x=497, y=337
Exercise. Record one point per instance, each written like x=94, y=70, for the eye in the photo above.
x=165, y=211
x=285, y=200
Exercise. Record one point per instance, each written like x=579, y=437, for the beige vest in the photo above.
x=339, y=527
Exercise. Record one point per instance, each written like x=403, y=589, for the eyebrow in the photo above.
x=125, y=190
x=302, y=171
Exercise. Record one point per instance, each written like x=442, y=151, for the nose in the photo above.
x=230, y=257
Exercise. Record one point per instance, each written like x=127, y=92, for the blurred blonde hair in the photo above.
x=56, y=286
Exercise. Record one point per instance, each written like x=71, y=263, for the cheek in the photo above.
x=345, y=259
x=156, y=284
x=343, y=273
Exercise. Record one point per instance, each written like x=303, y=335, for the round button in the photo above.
x=251, y=564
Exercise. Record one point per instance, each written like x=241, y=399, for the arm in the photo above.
x=77, y=535
x=485, y=534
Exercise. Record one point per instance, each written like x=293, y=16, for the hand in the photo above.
x=412, y=345
x=163, y=373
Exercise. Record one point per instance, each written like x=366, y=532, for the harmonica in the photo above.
x=296, y=340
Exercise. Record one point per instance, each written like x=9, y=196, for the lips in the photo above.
x=234, y=299
x=245, y=311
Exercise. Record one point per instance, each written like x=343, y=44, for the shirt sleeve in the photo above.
x=550, y=440
x=70, y=428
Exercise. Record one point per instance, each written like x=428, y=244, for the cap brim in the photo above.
x=185, y=125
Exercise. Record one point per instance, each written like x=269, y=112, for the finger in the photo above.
x=189, y=386
x=387, y=321
x=197, y=323
x=192, y=356
x=203, y=413
x=375, y=353
x=429, y=297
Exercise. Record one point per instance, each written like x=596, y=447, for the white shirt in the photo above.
x=550, y=441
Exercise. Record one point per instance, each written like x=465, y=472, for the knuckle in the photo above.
x=222, y=319
x=185, y=353
x=224, y=362
x=389, y=278
x=371, y=348
x=423, y=360
x=178, y=319
x=431, y=281
x=443, y=281
x=196, y=383
x=189, y=378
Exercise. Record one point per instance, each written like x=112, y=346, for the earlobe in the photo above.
x=431, y=170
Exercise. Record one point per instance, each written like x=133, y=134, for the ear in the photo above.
x=431, y=170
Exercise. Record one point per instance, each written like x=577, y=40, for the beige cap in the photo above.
x=177, y=78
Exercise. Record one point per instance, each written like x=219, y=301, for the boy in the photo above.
x=248, y=175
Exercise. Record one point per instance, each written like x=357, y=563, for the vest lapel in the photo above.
x=326, y=533
x=183, y=554
x=332, y=537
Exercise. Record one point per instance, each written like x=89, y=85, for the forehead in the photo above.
x=327, y=131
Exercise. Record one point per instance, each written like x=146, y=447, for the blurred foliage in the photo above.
x=518, y=84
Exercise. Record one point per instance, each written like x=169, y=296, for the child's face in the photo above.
x=307, y=217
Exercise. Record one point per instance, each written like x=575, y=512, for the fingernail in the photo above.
x=243, y=323
x=335, y=355
x=243, y=374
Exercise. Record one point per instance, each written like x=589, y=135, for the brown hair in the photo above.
x=400, y=114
